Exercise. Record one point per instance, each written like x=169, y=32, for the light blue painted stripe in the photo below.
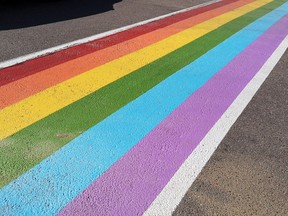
x=50, y=185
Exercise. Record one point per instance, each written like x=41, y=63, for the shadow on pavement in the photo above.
x=27, y=13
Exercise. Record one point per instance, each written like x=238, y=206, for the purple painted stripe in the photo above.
x=130, y=185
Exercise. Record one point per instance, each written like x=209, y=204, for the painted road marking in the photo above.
x=158, y=155
x=38, y=106
x=31, y=67
x=92, y=38
x=174, y=191
x=261, y=26
x=30, y=85
x=41, y=139
x=129, y=157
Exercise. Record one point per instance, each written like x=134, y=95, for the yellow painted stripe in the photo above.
x=38, y=106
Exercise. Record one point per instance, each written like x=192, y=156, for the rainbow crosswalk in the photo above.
x=101, y=128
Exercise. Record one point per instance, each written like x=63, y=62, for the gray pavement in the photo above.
x=248, y=173
x=27, y=39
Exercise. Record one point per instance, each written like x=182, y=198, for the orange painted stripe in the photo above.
x=19, y=71
x=23, y=88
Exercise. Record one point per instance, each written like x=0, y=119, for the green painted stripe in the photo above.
x=28, y=147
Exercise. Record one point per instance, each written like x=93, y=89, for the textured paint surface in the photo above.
x=159, y=154
x=24, y=113
x=176, y=191
x=33, y=84
x=64, y=123
x=11, y=74
x=101, y=125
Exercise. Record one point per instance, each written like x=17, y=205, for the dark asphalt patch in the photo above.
x=22, y=41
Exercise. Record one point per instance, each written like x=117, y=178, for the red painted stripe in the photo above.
x=10, y=74
x=30, y=85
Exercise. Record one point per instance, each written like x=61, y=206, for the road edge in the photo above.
x=172, y=194
x=51, y=50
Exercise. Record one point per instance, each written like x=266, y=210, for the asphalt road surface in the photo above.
x=248, y=173
x=33, y=27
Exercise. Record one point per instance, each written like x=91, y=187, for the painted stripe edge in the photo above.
x=172, y=194
x=24, y=58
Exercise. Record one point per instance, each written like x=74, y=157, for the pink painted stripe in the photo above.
x=130, y=185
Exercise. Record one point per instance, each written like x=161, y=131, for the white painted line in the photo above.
x=34, y=55
x=174, y=191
